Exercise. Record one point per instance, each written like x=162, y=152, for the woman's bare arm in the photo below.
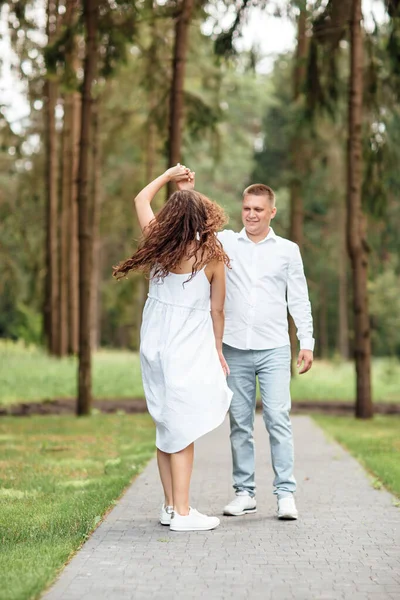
x=144, y=198
x=218, y=287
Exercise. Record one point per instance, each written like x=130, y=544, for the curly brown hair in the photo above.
x=184, y=228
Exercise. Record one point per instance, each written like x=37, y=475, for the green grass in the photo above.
x=58, y=477
x=335, y=380
x=29, y=375
x=375, y=443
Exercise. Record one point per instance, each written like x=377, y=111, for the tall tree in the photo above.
x=73, y=256
x=343, y=319
x=91, y=9
x=356, y=222
x=68, y=315
x=95, y=212
x=297, y=154
x=64, y=226
x=183, y=19
x=51, y=305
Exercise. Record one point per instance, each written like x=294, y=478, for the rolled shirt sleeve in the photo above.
x=298, y=301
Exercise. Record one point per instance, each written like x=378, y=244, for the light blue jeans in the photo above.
x=273, y=370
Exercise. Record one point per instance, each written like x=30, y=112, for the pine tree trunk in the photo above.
x=96, y=209
x=51, y=304
x=323, y=321
x=68, y=342
x=343, y=329
x=152, y=87
x=73, y=259
x=178, y=78
x=64, y=229
x=84, y=218
x=356, y=224
x=297, y=160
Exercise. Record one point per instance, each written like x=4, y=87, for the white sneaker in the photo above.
x=242, y=504
x=194, y=521
x=287, y=508
x=165, y=515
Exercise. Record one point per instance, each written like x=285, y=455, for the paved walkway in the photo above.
x=346, y=545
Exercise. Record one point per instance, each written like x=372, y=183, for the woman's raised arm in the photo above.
x=144, y=198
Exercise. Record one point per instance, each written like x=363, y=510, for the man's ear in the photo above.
x=274, y=211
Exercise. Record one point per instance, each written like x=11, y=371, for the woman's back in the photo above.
x=176, y=290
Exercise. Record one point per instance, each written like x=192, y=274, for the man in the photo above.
x=266, y=279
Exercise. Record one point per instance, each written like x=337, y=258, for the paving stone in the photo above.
x=345, y=546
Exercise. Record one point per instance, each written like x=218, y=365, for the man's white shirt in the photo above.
x=266, y=279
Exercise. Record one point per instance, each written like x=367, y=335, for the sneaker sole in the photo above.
x=288, y=517
x=244, y=512
x=165, y=522
x=194, y=528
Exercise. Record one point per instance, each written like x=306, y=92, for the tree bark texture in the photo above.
x=84, y=218
x=343, y=329
x=297, y=161
x=68, y=342
x=178, y=78
x=73, y=258
x=152, y=88
x=64, y=227
x=51, y=304
x=323, y=320
x=96, y=209
x=356, y=223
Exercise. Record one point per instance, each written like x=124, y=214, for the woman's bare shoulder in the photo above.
x=215, y=268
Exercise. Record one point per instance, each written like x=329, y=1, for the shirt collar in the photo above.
x=271, y=236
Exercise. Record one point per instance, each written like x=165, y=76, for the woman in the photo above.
x=183, y=368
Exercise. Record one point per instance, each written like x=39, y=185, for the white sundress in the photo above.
x=184, y=384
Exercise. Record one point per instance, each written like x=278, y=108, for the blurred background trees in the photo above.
x=165, y=85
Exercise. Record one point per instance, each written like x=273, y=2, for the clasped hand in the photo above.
x=183, y=177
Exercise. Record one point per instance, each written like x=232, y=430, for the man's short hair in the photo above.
x=259, y=189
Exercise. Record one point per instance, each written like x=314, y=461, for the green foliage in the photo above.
x=117, y=28
x=26, y=325
x=58, y=477
x=200, y=116
x=323, y=183
x=239, y=128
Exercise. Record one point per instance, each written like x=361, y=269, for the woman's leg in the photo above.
x=164, y=467
x=181, y=471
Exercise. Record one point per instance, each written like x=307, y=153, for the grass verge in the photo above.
x=30, y=375
x=58, y=477
x=375, y=443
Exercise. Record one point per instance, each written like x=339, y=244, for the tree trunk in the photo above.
x=84, y=218
x=323, y=320
x=356, y=224
x=178, y=78
x=96, y=206
x=51, y=305
x=152, y=89
x=297, y=161
x=68, y=342
x=64, y=229
x=343, y=329
x=73, y=258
